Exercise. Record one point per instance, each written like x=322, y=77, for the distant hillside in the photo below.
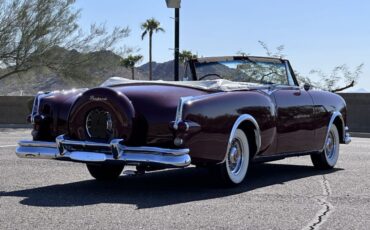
x=162, y=71
x=93, y=69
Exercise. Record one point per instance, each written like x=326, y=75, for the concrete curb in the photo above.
x=15, y=126
x=361, y=135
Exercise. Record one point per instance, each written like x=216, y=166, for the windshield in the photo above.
x=243, y=71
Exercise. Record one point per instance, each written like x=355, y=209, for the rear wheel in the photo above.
x=234, y=169
x=329, y=156
x=105, y=172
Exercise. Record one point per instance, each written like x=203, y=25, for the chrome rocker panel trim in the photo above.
x=109, y=152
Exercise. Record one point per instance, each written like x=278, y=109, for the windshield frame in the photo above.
x=292, y=80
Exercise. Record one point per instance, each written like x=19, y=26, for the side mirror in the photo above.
x=307, y=86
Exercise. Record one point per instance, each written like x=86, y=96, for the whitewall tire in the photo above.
x=329, y=156
x=234, y=169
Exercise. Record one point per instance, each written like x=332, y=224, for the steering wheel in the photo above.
x=210, y=74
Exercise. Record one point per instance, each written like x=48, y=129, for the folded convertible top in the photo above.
x=207, y=85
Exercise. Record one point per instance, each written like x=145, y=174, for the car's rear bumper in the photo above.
x=95, y=152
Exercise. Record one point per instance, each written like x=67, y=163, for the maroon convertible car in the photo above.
x=226, y=113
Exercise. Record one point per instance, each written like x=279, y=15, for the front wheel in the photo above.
x=234, y=169
x=329, y=156
x=105, y=172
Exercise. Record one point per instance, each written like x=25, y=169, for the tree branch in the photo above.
x=31, y=29
x=343, y=88
x=13, y=72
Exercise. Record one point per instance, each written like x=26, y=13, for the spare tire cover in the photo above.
x=101, y=114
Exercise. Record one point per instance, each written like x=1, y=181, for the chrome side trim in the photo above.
x=63, y=149
x=257, y=132
x=180, y=107
x=188, y=100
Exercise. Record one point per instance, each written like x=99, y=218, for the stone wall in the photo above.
x=15, y=109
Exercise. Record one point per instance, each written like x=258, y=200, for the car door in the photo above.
x=295, y=116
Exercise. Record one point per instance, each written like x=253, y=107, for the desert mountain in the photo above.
x=88, y=70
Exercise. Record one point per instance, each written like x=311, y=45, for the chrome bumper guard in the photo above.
x=95, y=152
x=347, y=136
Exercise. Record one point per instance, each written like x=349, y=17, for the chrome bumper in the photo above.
x=95, y=152
x=347, y=136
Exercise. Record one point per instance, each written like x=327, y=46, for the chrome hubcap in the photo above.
x=235, y=156
x=99, y=124
x=330, y=146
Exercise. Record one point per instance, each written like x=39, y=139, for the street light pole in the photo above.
x=176, y=4
x=177, y=43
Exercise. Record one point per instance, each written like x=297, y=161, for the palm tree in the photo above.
x=186, y=55
x=130, y=61
x=149, y=27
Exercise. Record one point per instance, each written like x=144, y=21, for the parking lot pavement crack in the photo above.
x=326, y=207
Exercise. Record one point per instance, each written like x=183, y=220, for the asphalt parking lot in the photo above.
x=286, y=194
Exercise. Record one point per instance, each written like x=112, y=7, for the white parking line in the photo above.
x=6, y=146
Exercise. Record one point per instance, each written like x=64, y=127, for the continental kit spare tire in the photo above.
x=101, y=114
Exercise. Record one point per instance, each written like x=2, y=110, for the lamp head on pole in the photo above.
x=173, y=3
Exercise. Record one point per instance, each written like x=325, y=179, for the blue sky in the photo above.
x=317, y=34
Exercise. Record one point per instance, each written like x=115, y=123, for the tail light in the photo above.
x=183, y=129
x=185, y=126
x=182, y=126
